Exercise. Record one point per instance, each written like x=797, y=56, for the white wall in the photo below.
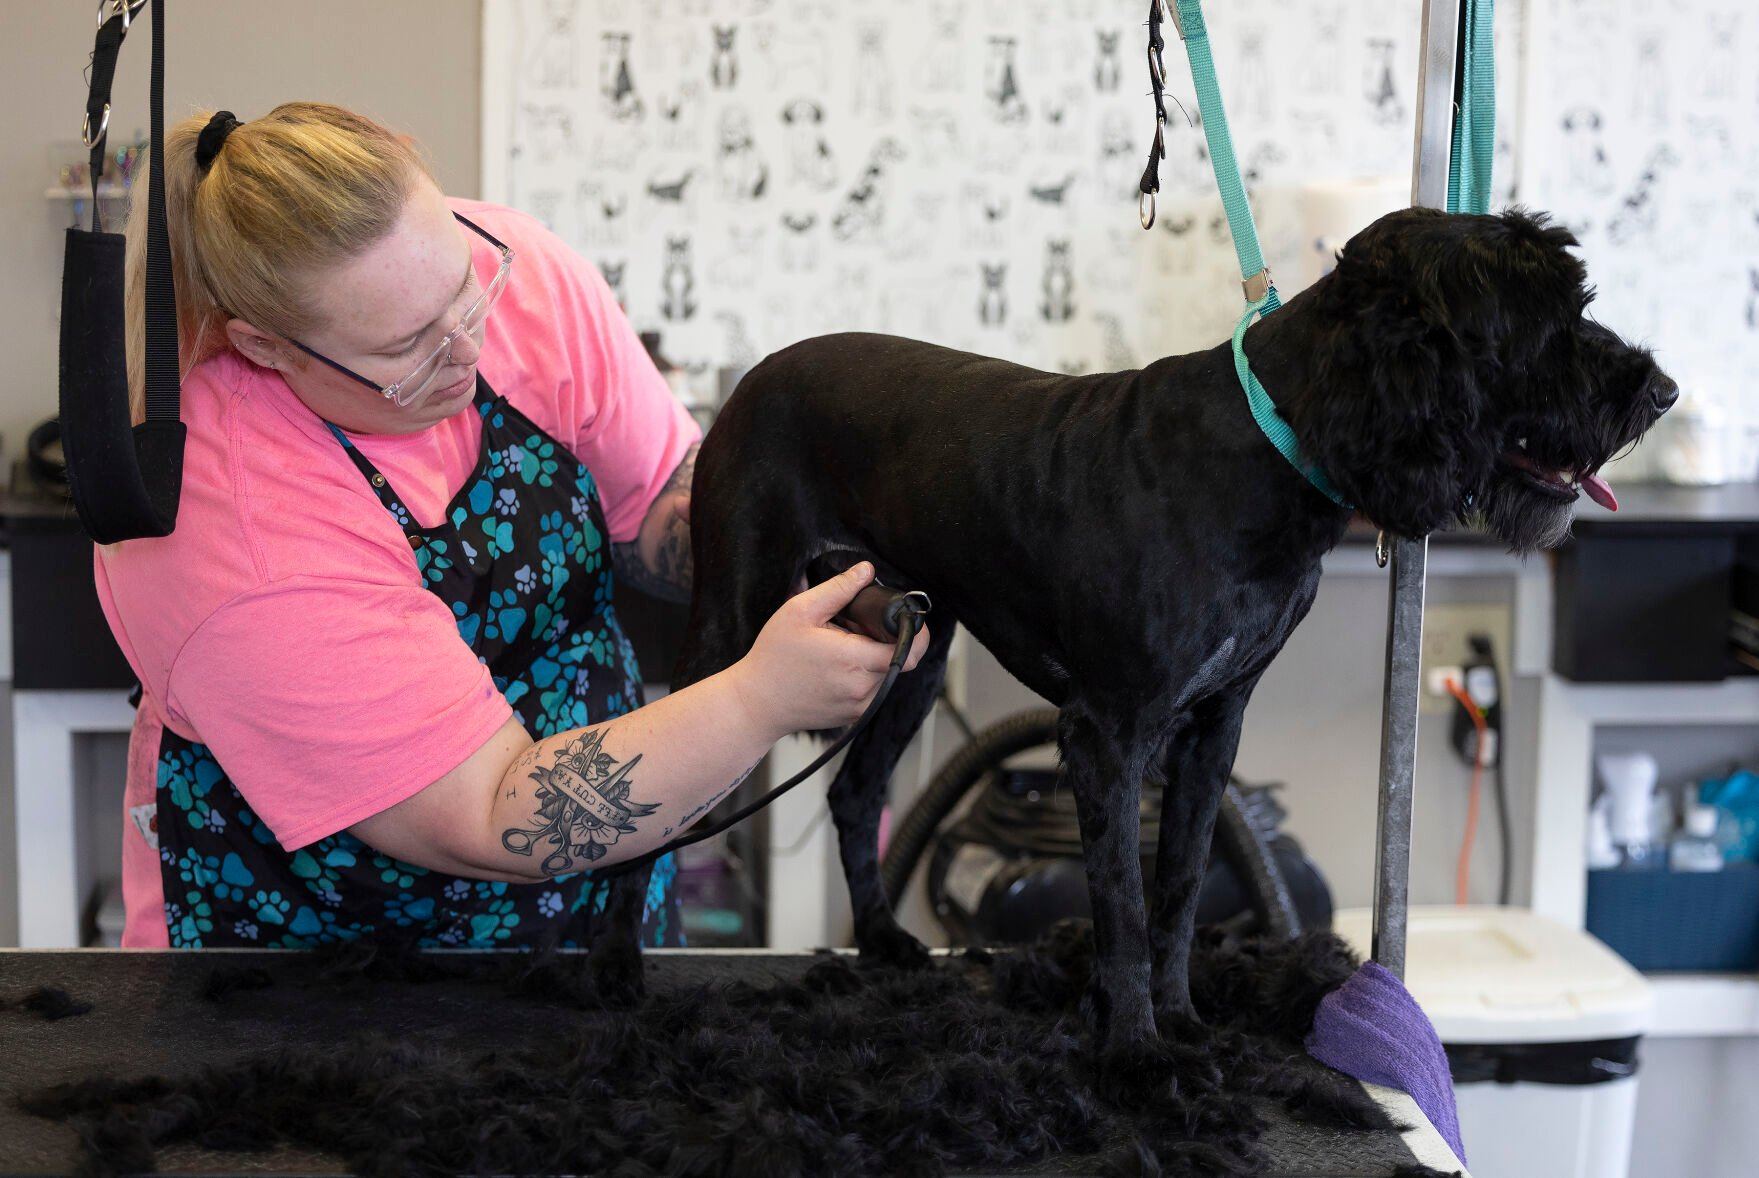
x=410, y=63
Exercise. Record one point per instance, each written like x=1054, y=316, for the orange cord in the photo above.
x=1463, y=872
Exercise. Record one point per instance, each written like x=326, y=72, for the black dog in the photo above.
x=1131, y=547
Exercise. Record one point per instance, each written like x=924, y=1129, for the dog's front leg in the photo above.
x=1103, y=760
x=1199, y=759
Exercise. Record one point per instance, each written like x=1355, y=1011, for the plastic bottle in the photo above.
x=1602, y=853
x=1695, y=848
x=1630, y=779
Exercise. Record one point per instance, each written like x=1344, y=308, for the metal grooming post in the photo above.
x=1404, y=626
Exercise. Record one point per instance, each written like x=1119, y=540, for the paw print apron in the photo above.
x=523, y=562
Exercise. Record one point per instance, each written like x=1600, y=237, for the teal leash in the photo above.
x=1255, y=280
x=1472, y=157
x=1473, y=153
x=1254, y=274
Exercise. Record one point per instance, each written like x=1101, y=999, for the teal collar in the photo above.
x=1275, y=428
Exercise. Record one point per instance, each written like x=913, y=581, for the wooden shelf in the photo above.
x=1704, y=1005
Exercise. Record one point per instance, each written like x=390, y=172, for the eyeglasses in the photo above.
x=408, y=390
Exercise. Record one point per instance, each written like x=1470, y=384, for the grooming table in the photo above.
x=149, y=1016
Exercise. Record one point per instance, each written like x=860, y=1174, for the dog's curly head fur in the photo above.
x=1455, y=373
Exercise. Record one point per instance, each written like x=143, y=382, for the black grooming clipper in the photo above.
x=877, y=611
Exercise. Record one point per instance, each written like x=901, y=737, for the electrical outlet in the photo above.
x=1446, y=629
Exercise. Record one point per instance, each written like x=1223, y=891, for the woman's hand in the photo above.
x=806, y=673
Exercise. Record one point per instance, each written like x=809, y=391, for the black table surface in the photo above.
x=149, y=1017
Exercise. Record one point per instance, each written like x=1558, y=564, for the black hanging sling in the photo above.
x=125, y=479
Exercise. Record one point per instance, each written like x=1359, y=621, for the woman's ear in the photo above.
x=260, y=348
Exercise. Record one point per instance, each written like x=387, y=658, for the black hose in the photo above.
x=1252, y=854
x=986, y=750
x=1248, y=847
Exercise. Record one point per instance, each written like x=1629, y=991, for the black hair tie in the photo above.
x=213, y=137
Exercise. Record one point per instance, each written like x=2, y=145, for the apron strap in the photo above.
x=484, y=399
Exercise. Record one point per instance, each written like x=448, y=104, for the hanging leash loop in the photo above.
x=126, y=9
x=1157, y=151
x=125, y=479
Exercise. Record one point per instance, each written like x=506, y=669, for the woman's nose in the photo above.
x=465, y=348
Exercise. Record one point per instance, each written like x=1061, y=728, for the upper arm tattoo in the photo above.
x=668, y=576
x=583, y=805
x=686, y=470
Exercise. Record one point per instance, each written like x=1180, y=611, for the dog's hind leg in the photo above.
x=1199, y=758
x=859, y=793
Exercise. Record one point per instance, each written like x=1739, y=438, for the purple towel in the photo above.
x=1371, y=1028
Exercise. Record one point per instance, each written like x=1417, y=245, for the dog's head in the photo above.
x=1455, y=372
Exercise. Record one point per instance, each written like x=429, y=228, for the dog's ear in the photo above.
x=1390, y=411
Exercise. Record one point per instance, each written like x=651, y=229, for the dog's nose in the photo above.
x=1664, y=393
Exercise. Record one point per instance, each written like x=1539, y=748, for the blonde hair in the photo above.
x=291, y=194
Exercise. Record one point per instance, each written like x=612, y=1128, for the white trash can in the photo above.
x=1541, y=1025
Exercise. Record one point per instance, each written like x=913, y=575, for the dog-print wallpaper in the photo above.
x=747, y=173
x=1644, y=139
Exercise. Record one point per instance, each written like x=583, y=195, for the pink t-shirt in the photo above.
x=284, y=623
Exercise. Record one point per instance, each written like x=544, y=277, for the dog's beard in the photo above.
x=1523, y=519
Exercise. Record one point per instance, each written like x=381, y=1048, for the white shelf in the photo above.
x=105, y=192
x=1706, y=1005
x=1569, y=714
x=1729, y=701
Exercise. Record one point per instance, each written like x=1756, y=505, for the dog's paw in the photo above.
x=889, y=945
x=616, y=974
x=1139, y=1074
x=1200, y=1049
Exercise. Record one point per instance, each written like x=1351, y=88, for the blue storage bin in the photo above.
x=1679, y=920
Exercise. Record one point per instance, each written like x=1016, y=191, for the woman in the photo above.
x=384, y=690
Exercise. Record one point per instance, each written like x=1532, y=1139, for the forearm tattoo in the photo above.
x=708, y=805
x=668, y=576
x=583, y=806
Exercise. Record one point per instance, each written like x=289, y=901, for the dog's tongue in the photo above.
x=1600, y=492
